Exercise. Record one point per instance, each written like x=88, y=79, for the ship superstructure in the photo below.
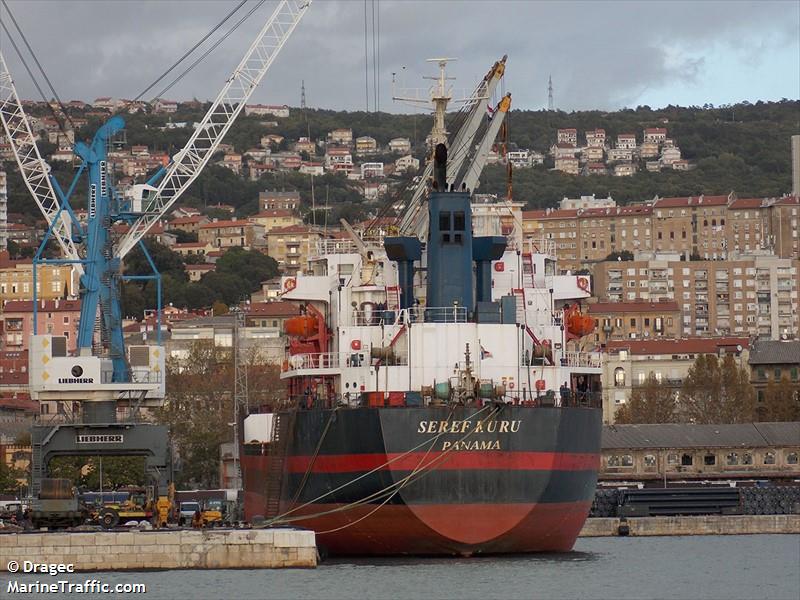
x=439, y=399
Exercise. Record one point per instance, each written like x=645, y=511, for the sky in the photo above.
x=601, y=55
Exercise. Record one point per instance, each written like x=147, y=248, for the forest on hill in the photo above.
x=742, y=148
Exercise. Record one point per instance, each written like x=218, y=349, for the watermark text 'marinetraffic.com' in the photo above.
x=88, y=586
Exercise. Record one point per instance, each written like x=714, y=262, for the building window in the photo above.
x=710, y=460
x=769, y=458
x=762, y=373
x=732, y=459
x=687, y=460
x=649, y=460
x=627, y=460
x=619, y=377
x=791, y=458
x=777, y=373
x=613, y=460
x=747, y=458
x=672, y=459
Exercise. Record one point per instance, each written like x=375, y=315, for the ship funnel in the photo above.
x=440, y=167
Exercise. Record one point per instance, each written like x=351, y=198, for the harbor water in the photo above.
x=696, y=567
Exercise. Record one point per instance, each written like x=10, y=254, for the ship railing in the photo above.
x=374, y=317
x=582, y=359
x=554, y=399
x=338, y=246
x=315, y=360
x=539, y=245
x=434, y=314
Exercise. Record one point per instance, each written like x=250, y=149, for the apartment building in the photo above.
x=52, y=281
x=232, y=234
x=706, y=227
x=273, y=200
x=189, y=224
x=291, y=246
x=3, y=211
x=635, y=320
x=56, y=317
x=753, y=295
x=366, y=145
x=771, y=361
x=276, y=217
x=629, y=363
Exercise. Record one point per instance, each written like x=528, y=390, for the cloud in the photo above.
x=601, y=54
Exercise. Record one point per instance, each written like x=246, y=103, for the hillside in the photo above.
x=743, y=148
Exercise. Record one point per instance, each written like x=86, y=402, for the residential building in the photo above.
x=366, y=145
x=619, y=155
x=400, y=146
x=188, y=224
x=405, y=163
x=568, y=164
x=192, y=248
x=270, y=314
x=648, y=150
x=564, y=150
x=596, y=138
x=626, y=141
x=312, y=168
x=261, y=110
x=624, y=169
x=274, y=200
x=105, y=103
x=276, y=218
x=594, y=168
x=656, y=135
x=519, y=159
x=567, y=136
x=52, y=281
x=196, y=272
x=305, y=144
x=653, y=166
x=745, y=295
x=635, y=320
x=338, y=158
x=232, y=234
x=341, y=137
x=233, y=162
x=771, y=361
x=629, y=363
x=670, y=154
x=271, y=139
x=681, y=165
x=56, y=317
x=372, y=170
x=592, y=153
x=587, y=202
x=291, y=246
x=165, y=106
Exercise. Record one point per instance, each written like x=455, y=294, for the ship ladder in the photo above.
x=393, y=298
x=527, y=270
x=520, y=295
x=281, y=429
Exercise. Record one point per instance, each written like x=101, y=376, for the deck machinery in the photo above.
x=103, y=375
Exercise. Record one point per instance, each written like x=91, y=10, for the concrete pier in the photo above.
x=699, y=525
x=166, y=549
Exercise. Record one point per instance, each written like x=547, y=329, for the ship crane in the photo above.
x=466, y=157
x=104, y=373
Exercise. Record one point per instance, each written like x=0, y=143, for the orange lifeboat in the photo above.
x=303, y=326
x=579, y=324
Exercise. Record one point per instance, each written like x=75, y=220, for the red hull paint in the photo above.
x=447, y=529
x=507, y=461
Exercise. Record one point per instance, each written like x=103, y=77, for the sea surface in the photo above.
x=696, y=567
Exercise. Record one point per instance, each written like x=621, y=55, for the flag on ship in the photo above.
x=489, y=112
x=485, y=353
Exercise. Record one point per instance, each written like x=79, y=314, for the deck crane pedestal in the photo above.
x=105, y=375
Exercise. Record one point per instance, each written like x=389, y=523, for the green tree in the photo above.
x=717, y=391
x=251, y=266
x=8, y=479
x=781, y=401
x=652, y=402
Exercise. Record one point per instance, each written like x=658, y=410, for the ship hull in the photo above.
x=433, y=480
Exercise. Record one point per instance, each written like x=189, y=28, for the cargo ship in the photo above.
x=440, y=397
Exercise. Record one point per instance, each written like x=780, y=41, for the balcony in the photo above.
x=582, y=359
x=700, y=275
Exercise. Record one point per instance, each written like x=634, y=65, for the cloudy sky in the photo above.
x=601, y=55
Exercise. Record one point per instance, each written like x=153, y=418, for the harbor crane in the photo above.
x=105, y=374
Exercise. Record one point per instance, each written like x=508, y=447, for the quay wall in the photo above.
x=694, y=525
x=170, y=549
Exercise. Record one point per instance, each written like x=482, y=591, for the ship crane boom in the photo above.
x=188, y=162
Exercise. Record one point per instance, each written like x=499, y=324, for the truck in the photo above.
x=57, y=505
